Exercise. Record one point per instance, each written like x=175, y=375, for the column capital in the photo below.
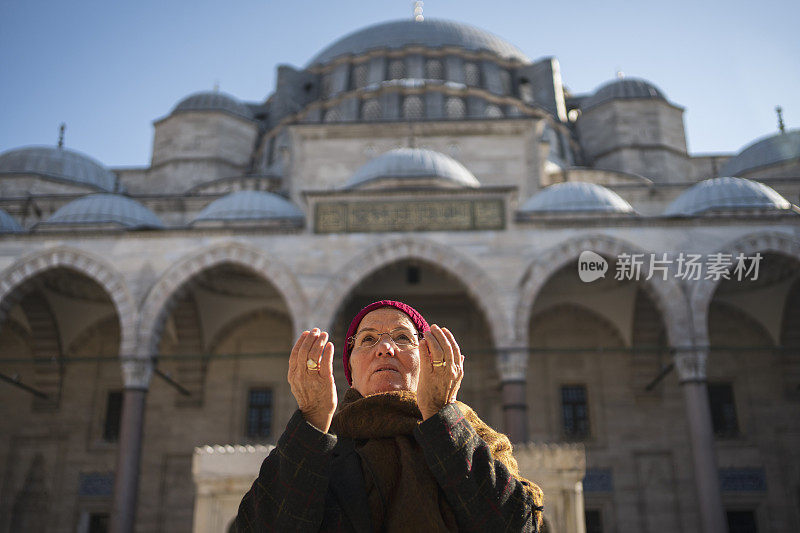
x=691, y=364
x=512, y=364
x=137, y=372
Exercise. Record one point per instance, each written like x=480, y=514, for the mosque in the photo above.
x=630, y=312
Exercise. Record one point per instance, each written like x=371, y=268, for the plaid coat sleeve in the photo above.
x=289, y=493
x=482, y=491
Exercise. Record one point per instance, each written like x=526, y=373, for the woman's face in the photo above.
x=386, y=366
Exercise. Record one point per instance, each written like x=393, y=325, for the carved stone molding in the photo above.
x=512, y=365
x=691, y=364
x=137, y=372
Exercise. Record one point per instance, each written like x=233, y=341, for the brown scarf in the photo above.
x=403, y=494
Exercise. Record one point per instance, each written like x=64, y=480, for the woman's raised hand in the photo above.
x=441, y=371
x=311, y=378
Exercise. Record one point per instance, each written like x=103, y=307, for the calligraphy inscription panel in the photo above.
x=432, y=215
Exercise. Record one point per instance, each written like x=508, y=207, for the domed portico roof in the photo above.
x=766, y=152
x=414, y=164
x=249, y=206
x=213, y=101
x=576, y=197
x=58, y=164
x=428, y=33
x=102, y=209
x=623, y=89
x=726, y=194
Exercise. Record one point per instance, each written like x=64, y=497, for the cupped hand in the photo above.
x=314, y=389
x=438, y=385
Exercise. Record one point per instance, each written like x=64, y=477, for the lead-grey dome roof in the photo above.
x=59, y=164
x=772, y=150
x=428, y=33
x=576, y=197
x=98, y=209
x=726, y=194
x=214, y=101
x=8, y=224
x=624, y=88
x=413, y=163
x=249, y=205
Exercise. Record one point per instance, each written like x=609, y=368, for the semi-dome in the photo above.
x=726, y=194
x=576, y=197
x=427, y=33
x=102, y=209
x=414, y=165
x=249, y=206
x=624, y=88
x=59, y=164
x=765, y=152
x=214, y=101
x=8, y=224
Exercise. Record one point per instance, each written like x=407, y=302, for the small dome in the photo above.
x=770, y=151
x=59, y=164
x=576, y=197
x=414, y=164
x=98, y=209
x=428, y=33
x=726, y=194
x=214, y=101
x=8, y=224
x=625, y=88
x=250, y=206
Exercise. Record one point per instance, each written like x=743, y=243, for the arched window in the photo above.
x=433, y=69
x=505, y=82
x=472, y=75
x=454, y=108
x=397, y=70
x=413, y=108
x=360, y=76
x=327, y=85
x=525, y=90
x=371, y=110
x=332, y=115
x=493, y=111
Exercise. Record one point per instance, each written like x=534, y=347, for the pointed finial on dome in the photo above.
x=418, y=11
x=216, y=86
x=61, y=129
x=620, y=75
x=781, y=125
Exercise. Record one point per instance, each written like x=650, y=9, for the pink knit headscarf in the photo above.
x=420, y=323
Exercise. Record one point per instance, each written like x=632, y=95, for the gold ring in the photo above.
x=311, y=364
x=439, y=363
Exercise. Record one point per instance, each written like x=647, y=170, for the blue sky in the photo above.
x=109, y=68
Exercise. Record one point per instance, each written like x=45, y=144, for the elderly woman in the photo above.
x=400, y=454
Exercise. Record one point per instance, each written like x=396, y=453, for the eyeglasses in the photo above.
x=368, y=339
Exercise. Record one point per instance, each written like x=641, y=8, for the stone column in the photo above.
x=512, y=365
x=136, y=374
x=691, y=367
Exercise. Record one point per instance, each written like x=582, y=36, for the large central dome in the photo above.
x=428, y=33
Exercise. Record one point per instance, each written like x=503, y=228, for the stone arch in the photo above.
x=157, y=303
x=667, y=295
x=703, y=292
x=477, y=283
x=231, y=326
x=14, y=278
